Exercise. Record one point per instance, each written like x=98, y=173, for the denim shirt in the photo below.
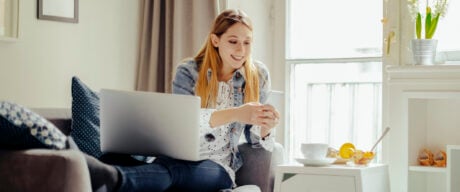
x=185, y=81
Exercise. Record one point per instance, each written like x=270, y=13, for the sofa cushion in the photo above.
x=21, y=128
x=85, y=121
x=85, y=118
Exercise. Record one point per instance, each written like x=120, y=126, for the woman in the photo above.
x=229, y=83
x=231, y=88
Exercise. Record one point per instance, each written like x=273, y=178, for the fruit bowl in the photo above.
x=358, y=157
x=362, y=158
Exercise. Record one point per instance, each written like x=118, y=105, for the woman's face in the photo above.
x=234, y=46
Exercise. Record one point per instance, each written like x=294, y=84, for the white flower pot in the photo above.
x=424, y=51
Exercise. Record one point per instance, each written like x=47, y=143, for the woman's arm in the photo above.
x=222, y=117
x=249, y=113
x=258, y=114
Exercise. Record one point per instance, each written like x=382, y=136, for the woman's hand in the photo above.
x=265, y=116
x=269, y=122
x=254, y=113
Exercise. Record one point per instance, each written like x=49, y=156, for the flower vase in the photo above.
x=424, y=51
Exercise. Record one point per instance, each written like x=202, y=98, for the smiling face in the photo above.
x=234, y=47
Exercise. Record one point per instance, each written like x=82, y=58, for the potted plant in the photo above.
x=424, y=48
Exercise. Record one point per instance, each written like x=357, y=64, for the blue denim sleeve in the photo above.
x=184, y=81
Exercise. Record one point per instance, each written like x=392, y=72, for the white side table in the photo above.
x=333, y=178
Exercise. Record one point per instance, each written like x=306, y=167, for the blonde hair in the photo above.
x=209, y=58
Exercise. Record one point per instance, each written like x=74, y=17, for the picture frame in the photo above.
x=58, y=10
x=9, y=20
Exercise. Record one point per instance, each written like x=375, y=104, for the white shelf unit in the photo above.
x=424, y=103
x=453, y=169
x=432, y=118
x=418, y=168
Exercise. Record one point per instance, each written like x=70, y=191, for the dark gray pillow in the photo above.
x=85, y=121
x=21, y=128
x=85, y=118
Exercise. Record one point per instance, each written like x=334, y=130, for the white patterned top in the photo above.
x=215, y=142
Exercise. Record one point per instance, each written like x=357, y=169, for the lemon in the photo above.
x=369, y=155
x=347, y=150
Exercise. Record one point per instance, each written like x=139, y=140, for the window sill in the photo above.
x=446, y=73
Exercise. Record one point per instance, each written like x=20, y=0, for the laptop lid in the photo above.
x=148, y=123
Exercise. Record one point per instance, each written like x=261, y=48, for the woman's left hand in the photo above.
x=269, y=120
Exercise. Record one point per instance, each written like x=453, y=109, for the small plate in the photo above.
x=315, y=162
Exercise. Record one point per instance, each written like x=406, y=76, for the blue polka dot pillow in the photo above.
x=85, y=118
x=20, y=128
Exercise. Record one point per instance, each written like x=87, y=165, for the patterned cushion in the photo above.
x=85, y=118
x=20, y=128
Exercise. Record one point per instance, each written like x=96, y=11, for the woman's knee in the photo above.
x=215, y=175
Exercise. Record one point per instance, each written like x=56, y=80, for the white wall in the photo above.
x=101, y=49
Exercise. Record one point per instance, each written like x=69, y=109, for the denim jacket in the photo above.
x=185, y=81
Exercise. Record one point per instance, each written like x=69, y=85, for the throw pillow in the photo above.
x=85, y=118
x=20, y=128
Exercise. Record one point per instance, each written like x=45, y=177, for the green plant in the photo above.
x=431, y=16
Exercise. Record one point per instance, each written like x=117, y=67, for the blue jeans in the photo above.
x=167, y=174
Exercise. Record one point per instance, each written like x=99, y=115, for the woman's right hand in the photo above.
x=254, y=113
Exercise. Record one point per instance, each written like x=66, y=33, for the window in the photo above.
x=334, y=52
x=447, y=35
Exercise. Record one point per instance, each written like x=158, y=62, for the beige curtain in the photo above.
x=170, y=31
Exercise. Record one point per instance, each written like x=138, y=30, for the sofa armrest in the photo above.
x=43, y=170
x=259, y=166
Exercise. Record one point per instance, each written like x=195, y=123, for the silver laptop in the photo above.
x=148, y=123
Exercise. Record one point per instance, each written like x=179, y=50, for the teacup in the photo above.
x=314, y=151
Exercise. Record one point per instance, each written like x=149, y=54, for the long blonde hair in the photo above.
x=209, y=58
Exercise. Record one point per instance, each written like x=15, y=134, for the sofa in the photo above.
x=66, y=170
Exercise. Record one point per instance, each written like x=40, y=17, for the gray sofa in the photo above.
x=66, y=170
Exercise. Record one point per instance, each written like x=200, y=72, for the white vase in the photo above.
x=424, y=51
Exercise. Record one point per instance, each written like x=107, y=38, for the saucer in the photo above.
x=315, y=162
x=341, y=161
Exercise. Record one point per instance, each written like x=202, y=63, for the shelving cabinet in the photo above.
x=453, y=169
x=423, y=112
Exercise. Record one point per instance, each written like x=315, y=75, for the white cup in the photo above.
x=315, y=151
